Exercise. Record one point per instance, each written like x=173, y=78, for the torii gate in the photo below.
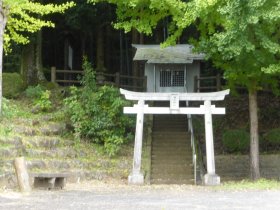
x=136, y=177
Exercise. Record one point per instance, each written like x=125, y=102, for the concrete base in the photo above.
x=211, y=179
x=136, y=178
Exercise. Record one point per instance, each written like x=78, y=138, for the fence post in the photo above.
x=22, y=174
x=117, y=79
x=218, y=81
x=195, y=84
x=145, y=83
x=53, y=74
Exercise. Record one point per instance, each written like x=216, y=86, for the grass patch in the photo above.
x=15, y=109
x=261, y=184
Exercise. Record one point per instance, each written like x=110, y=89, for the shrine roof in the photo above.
x=181, y=53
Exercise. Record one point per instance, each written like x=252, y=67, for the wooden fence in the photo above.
x=70, y=77
x=207, y=83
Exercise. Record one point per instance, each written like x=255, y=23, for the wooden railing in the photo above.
x=207, y=83
x=70, y=77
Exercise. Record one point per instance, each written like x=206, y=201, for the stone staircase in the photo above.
x=42, y=141
x=171, y=156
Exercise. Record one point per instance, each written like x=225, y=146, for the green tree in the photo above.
x=240, y=36
x=19, y=18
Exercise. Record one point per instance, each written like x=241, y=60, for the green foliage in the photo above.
x=272, y=137
x=34, y=91
x=11, y=110
x=237, y=140
x=242, y=38
x=44, y=101
x=261, y=184
x=13, y=85
x=40, y=96
x=96, y=113
x=25, y=16
x=8, y=110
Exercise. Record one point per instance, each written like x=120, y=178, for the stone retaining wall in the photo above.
x=237, y=167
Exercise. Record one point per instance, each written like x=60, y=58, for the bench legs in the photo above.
x=49, y=182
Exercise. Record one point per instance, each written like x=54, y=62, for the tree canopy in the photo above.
x=18, y=18
x=240, y=36
x=25, y=17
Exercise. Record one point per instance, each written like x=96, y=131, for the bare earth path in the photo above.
x=103, y=196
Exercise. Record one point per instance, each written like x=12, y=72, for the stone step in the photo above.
x=172, y=159
x=174, y=124
x=170, y=146
x=13, y=140
x=9, y=152
x=168, y=162
x=170, y=133
x=51, y=153
x=167, y=151
x=169, y=118
x=171, y=156
x=170, y=123
x=49, y=129
x=7, y=164
x=172, y=175
x=172, y=140
x=172, y=129
x=176, y=170
x=44, y=142
x=50, y=165
x=172, y=181
x=186, y=175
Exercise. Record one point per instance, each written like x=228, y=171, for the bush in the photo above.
x=272, y=137
x=34, y=92
x=13, y=85
x=96, y=113
x=40, y=96
x=237, y=140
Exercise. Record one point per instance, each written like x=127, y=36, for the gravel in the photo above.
x=112, y=195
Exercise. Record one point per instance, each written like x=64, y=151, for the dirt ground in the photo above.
x=117, y=195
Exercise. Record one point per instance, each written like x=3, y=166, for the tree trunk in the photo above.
x=3, y=21
x=28, y=65
x=100, y=50
x=254, y=136
x=135, y=67
x=38, y=57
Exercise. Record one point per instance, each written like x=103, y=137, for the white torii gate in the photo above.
x=136, y=177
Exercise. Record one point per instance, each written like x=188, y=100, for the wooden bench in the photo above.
x=49, y=180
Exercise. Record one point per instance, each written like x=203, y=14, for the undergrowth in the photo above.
x=261, y=184
x=96, y=113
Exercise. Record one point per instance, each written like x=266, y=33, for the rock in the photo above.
x=36, y=109
x=36, y=164
x=24, y=130
x=49, y=143
x=53, y=129
x=35, y=122
x=7, y=152
x=42, y=141
x=59, y=164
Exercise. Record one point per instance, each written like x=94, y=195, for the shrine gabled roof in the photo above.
x=181, y=53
